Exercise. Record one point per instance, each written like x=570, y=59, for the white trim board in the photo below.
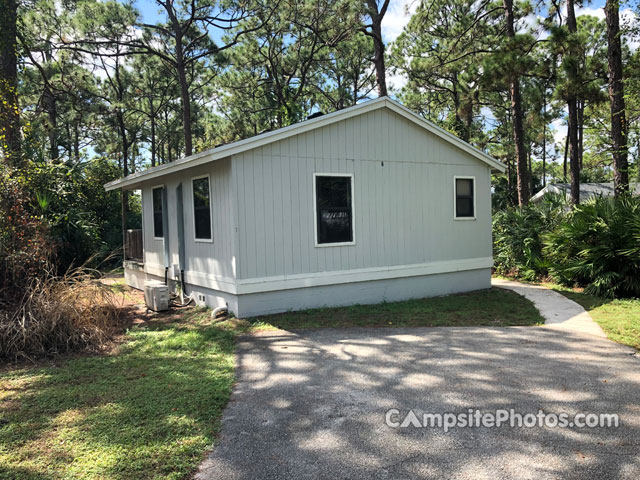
x=315, y=212
x=193, y=208
x=133, y=181
x=455, y=196
x=287, y=282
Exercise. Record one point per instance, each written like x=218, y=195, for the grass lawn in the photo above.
x=620, y=319
x=151, y=408
x=495, y=307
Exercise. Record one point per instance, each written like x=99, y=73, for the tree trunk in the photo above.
x=10, y=141
x=355, y=90
x=125, y=172
x=516, y=113
x=76, y=140
x=378, y=44
x=566, y=152
x=544, y=137
x=581, y=103
x=153, y=134
x=530, y=167
x=186, y=111
x=49, y=103
x=616, y=97
x=572, y=104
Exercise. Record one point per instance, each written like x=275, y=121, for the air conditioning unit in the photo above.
x=156, y=296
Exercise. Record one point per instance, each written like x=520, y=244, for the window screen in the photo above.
x=202, y=208
x=334, y=209
x=158, y=230
x=464, y=198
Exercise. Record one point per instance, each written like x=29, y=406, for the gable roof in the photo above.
x=133, y=181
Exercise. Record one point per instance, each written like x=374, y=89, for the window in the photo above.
x=158, y=231
x=202, y=208
x=465, y=198
x=334, y=209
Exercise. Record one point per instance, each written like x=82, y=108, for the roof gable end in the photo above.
x=132, y=181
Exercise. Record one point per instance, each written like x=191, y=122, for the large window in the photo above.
x=202, y=208
x=334, y=209
x=465, y=198
x=158, y=227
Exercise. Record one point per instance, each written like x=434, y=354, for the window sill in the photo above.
x=464, y=218
x=339, y=244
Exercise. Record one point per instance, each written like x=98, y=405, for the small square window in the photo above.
x=158, y=226
x=465, y=205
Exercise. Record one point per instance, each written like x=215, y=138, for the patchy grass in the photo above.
x=495, y=307
x=620, y=319
x=149, y=410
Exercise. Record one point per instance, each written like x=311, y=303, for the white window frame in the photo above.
x=315, y=212
x=464, y=177
x=193, y=209
x=153, y=216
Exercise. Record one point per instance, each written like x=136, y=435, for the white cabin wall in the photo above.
x=209, y=261
x=153, y=249
x=403, y=211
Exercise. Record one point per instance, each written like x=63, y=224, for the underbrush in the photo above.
x=58, y=315
x=595, y=245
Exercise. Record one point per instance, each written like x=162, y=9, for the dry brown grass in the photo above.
x=55, y=315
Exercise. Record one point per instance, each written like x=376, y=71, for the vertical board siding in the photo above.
x=403, y=209
x=215, y=258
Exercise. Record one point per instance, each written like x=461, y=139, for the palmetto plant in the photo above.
x=517, y=238
x=598, y=247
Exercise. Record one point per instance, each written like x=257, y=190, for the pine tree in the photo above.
x=616, y=96
x=10, y=137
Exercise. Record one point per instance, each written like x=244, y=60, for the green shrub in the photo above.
x=517, y=238
x=597, y=246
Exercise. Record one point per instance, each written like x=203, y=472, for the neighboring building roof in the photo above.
x=587, y=190
x=133, y=181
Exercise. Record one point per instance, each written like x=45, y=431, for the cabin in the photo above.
x=364, y=205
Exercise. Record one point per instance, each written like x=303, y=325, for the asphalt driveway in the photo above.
x=312, y=404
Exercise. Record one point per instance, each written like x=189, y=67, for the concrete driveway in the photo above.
x=312, y=405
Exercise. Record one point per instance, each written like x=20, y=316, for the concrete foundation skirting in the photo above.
x=370, y=292
x=364, y=292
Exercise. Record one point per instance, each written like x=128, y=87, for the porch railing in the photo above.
x=133, y=245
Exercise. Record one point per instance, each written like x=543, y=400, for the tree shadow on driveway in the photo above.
x=311, y=404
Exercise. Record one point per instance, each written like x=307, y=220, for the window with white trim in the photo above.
x=202, y=208
x=334, y=209
x=158, y=221
x=465, y=201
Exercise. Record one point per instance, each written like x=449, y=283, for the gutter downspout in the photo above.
x=181, y=249
x=165, y=233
